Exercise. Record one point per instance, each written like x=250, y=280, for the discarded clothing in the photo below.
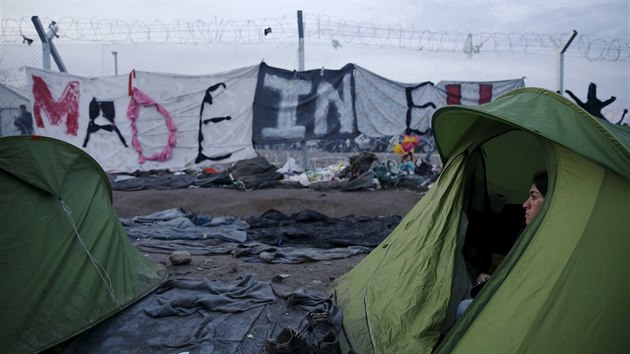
x=170, y=181
x=202, y=316
x=309, y=228
x=305, y=236
x=176, y=224
x=255, y=173
x=256, y=252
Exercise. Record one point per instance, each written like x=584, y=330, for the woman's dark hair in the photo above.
x=540, y=180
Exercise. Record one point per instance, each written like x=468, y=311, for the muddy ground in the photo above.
x=243, y=204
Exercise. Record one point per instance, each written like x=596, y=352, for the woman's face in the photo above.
x=533, y=204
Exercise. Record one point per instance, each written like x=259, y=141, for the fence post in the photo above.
x=115, y=54
x=303, y=147
x=561, y=63
x=48, y=47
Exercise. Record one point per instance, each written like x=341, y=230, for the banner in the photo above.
x=148, y=121
x=151, y=121
x=475, y=93
x=293, y=106
x=388, y=108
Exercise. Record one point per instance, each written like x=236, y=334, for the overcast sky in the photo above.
x=597, y=17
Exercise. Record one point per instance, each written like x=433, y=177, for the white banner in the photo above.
x=388, y=108
x=150, y=121
x=161, y=126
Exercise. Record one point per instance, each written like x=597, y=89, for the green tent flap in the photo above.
x=65, y=259
x=560, y=288
x=546, y=114
x=383, y=292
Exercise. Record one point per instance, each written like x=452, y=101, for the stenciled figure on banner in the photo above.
x=24, y=122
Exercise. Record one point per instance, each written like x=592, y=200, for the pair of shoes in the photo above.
x=319, y=322
x=288, y=341
x=328, y=344
x=322, y=333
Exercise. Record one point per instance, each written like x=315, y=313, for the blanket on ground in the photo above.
x=201, y=316
x=273, y=238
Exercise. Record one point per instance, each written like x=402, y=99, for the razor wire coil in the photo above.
x=325, y=29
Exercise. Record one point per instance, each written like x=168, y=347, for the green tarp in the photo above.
x=65, y=259
x=561, y=288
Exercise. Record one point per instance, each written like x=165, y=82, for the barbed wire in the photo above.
x=323, y=28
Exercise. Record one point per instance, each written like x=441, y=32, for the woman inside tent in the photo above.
x=532, y=207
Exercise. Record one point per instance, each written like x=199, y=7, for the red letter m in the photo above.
x=68, y=105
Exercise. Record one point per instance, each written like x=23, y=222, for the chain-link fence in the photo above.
x=102, y=47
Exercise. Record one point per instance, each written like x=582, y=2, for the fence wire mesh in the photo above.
x=105, y=47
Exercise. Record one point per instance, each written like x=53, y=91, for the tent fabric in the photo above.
x=382, y=296
x=545, y=114
x=561, y=288
x=565, y=293
x=66, y=261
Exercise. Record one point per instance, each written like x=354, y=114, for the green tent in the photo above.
x=561, y=288
x=66, y=263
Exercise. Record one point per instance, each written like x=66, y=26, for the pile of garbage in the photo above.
x=363, y=171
